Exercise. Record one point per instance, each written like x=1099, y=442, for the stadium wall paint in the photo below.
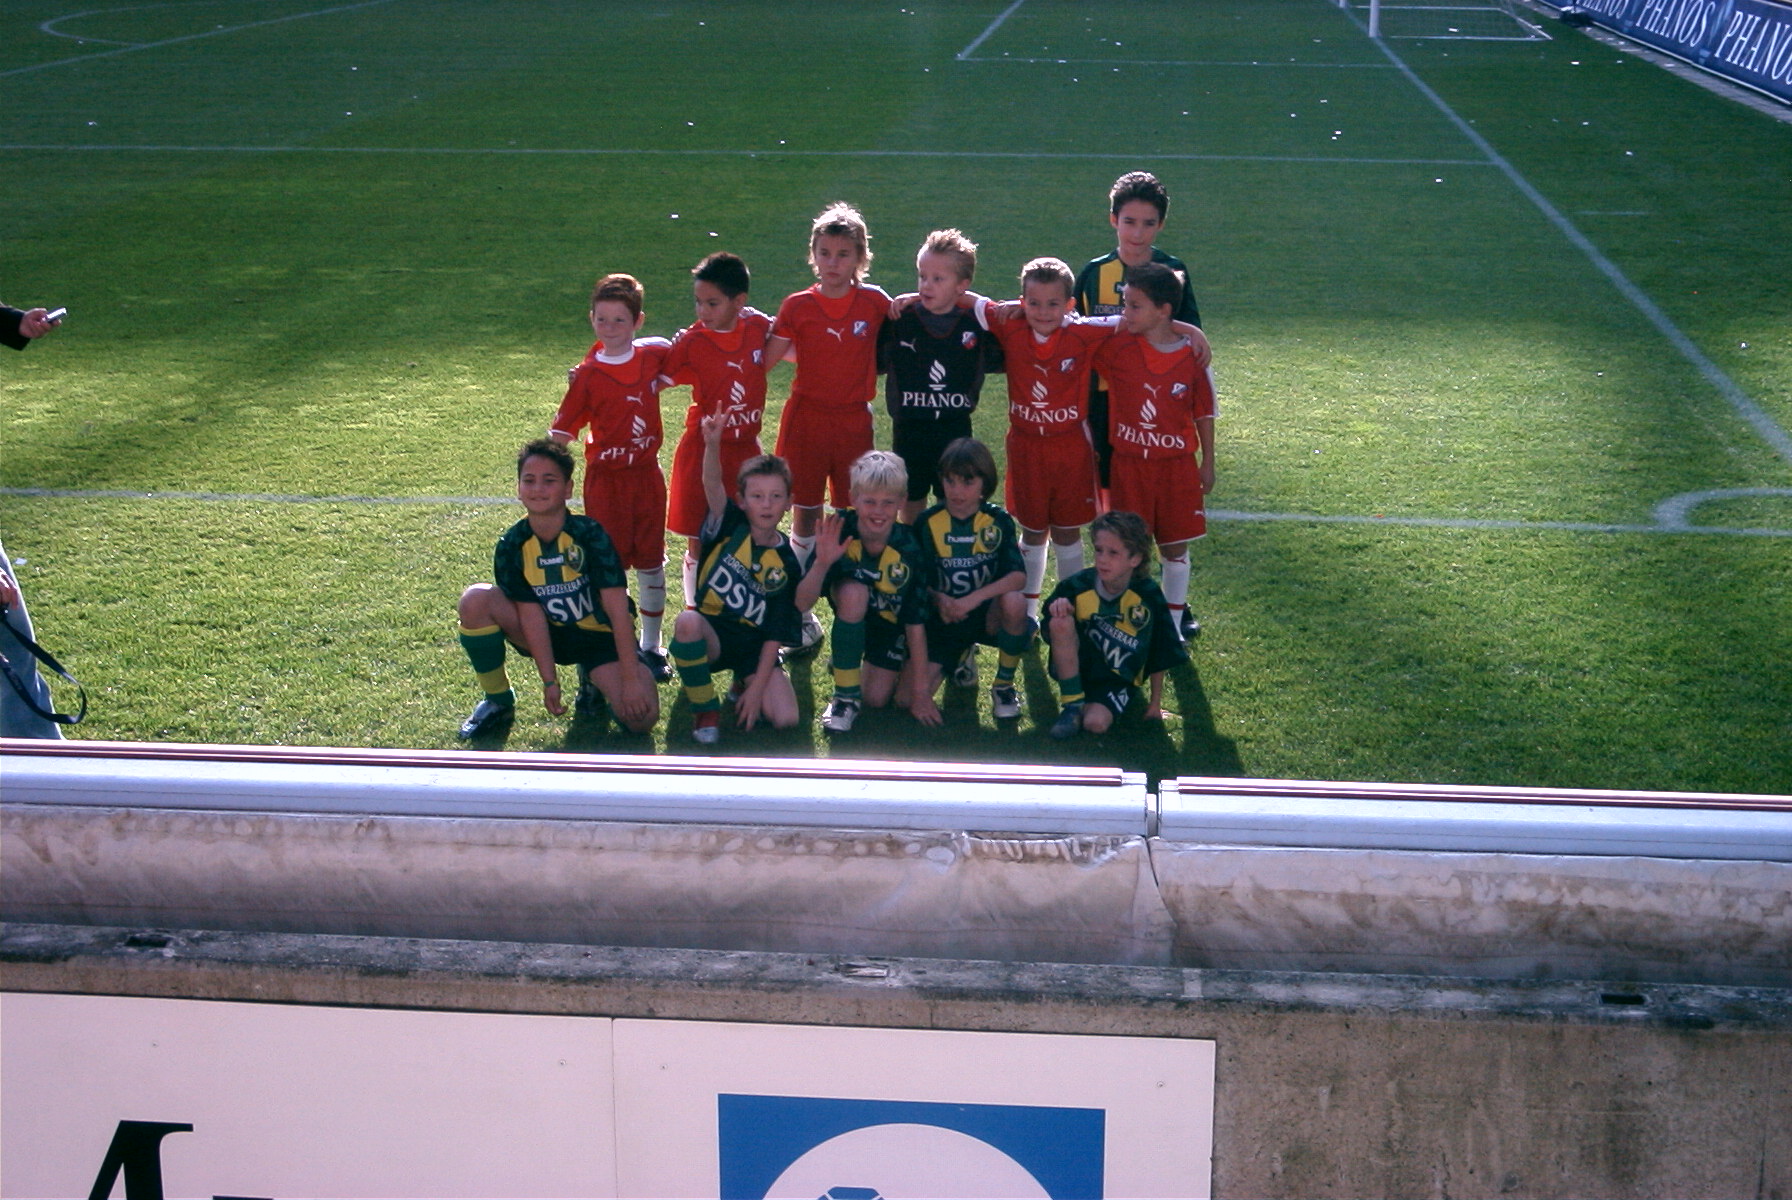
x=1747, y=41
x=195, y=1097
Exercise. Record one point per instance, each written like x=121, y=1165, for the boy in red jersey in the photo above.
x=831, y=331
x=1051, y=463
x=614, y=396
x=722, y=357
x=1160, y=414
x=1138, y=205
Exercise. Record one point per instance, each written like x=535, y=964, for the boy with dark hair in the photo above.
x=614, y=395
x=722, y=357
x=874, y=573
x=975, y=575
x=1161, y=413
x=1109, y=630
x=934, y=357
x=560, y=596
x=1137, y=207
x=743, y=606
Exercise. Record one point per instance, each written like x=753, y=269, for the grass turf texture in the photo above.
x=358, y=263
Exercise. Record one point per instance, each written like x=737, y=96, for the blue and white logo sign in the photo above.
x=822, y=1148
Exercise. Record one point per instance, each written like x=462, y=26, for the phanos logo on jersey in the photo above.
x=1041, y=393
x=936, y=375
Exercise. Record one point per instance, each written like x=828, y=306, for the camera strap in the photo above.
x=24, y=690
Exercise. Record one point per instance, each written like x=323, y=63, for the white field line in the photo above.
x=132, y=48
x=1672, y=516
x=1180, y=62
x=989, y=29
x=1739, y=400
x=773, y=152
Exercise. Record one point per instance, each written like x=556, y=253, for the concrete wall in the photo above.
x=1327, y=1084
x=1093, y=898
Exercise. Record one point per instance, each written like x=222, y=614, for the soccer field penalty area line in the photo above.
x=1744, y=406
x=994, y=25
x=1672, y=515
x=133, y=47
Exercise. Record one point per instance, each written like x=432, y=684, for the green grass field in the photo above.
x=1478, y=308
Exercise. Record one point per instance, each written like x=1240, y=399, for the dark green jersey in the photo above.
x=1099, y=286
x=896, y=576
x=969, y=554
x=1129, y=637
x=563, y=575
x=744, y=583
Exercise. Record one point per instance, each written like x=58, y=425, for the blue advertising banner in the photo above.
x=852, y=1149
x=1748, y=41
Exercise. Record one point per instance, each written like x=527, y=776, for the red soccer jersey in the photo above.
x=617, y=404
x=836, y=343
x=1155, y=397
x=1048, y=390
x=726, y=372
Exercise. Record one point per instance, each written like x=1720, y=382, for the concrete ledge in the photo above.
x=615, y=981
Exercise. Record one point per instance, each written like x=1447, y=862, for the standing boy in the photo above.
x=743, y=606
x=1161, y=421
x=559, y=597
x=975, y=577
x=1051, y=462
x=1137, y=207
x=874, y=573
x=934, y=357
x=614, y=396
x=722, y=357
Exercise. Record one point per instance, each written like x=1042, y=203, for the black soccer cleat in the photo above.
x=489, y=716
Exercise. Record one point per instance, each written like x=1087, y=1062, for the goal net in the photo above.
x=1459, y=20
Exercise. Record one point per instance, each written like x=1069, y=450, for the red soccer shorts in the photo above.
x=688, y=503
x=1164, y=491
x=821, y=442
x=1051, y=479
x=631, y=506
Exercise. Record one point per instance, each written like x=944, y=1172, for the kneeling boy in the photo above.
x=560, y=597
x=874, y=573
x=1110, y=630
x=743, y=604
x=976, y=575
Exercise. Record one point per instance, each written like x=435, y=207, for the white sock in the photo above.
x=1070, y=559
x=689, y=576
x=1033, y=559
x=804, y=547
x=650, y=589
x=1176, y=586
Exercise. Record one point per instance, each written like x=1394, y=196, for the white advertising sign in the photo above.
x=145, y=1098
